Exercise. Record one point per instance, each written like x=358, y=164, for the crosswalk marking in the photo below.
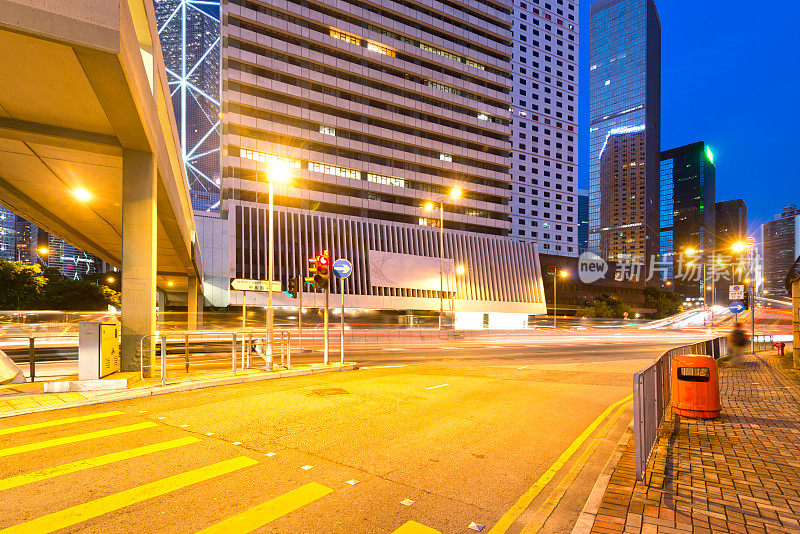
x=21, y=480
x=83, y=512
x=412, y=527
x=56, y=422
x=73, y=439
x=269, y=511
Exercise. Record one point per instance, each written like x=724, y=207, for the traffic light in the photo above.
x=293, y=287
x=746, y=300
x=320, y=269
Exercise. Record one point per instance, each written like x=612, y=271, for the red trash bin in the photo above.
x=695, y=386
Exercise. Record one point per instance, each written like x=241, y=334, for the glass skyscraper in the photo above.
x=624, y=130
x=688, y=215
x=189, y=31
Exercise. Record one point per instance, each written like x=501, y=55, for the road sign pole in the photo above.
x=244, y=315
x=341, y=345
x=300, y=312
x=555, y=303
x=270, y=269
x=325, y=330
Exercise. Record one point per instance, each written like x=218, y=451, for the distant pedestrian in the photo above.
x=737, y=342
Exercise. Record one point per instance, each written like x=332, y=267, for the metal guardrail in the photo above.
x=31, y=346
x=652, y=393
x=182, y=349
x=763, y=342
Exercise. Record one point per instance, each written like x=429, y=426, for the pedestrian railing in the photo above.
x=167, y=352
x=763, y=342
x=47, y=350
x=652, y=395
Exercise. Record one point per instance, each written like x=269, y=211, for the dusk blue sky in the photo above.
x=730, y=77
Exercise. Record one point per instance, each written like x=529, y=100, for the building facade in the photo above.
x=544, y=125
x=583, y=220
x=189, y=31
x=377, y=111
x=781, y=246
x=688, y=217
x=731, y=222
x=624, y=130
x=8, y=235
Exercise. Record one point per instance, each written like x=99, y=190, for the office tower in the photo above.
x=376, y=112
x=731, y=220
x=624, y=130
x=190, y=35
x=544, y=125
x=688, y=214
x=583, y=220
x=8, y=235
x=781, y=246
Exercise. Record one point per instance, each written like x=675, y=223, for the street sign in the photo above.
x=625, y=315
x=342, y=268
x=551, y=270
x=245, y=284
x=736, y=307
x=736, y=292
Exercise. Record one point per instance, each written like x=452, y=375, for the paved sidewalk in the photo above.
x=738, y=473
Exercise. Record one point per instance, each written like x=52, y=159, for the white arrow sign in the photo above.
x=245, y=284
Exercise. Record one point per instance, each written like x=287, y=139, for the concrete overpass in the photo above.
x=89, y=148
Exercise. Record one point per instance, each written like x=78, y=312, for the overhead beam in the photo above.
x=56, y=136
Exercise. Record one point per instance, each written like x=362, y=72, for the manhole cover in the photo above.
x=327, y=392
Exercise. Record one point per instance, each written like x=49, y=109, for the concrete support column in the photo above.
x=796, y=323
x=194, y=308
x=138, y=255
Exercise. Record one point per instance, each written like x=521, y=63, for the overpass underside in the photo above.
x=88, y=145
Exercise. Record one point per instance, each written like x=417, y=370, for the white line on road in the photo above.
x=523, y=367
x=439, y=386
x=380, y=366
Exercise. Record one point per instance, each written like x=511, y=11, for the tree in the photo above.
x=73, y=295
x=604, y=307
x=665, y=303
x=21, y=285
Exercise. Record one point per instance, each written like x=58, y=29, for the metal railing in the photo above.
x=652, y=393
x=763, y=342
x=46, y=351
x=209, y=350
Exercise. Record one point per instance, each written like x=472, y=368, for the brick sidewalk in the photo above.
x=739, y=473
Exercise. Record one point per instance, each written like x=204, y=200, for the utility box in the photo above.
x=98, y=349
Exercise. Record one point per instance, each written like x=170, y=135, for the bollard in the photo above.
x=163, y=360
x=32, y=357
x=186, y=350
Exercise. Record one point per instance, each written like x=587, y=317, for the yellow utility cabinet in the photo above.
x=98, y=349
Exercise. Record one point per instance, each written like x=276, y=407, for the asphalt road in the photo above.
x=503, y=435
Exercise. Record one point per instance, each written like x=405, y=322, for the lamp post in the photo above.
x=454, y=194
x=277, y=173
x=562, y=274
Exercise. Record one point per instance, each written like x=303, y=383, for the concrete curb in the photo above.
x=585, y=521
x=189, y=386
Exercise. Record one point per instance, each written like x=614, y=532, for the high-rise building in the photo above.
x=190, y=41
x=624, y=130
x=688, y=214
x=377, y=111
x=731, y=221
x=544, y=125
x=781, y=246
x=583, y=221
x=8, y=235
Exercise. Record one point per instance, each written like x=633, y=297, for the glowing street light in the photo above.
x=453, y=194
x=460, y=270
x=561, y=274
x=82, y=194
x=44, y=251
x=279, y=173
x=110, y=280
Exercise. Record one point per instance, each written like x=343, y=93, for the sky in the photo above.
x=730, y=76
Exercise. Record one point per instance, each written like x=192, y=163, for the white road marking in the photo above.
x=380, y=366
x=352, y=482
x=307, y=467
x=439, y=386
x=523, y=367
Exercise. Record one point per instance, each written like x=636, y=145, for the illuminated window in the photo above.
x=385, y=180
x=269, y=158
x=327, y=130
x=334, y=170
x=346, y=38
x=445, y=157
x=380, y=49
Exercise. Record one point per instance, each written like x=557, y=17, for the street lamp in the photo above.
x=561, y=274
x=280, y=173
x=453, y=194
x=82, y=194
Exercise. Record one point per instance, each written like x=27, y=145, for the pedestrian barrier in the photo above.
x=763, y=342
x=209, y=350
x=652, y=395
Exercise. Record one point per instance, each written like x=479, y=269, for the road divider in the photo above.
x=527, y=498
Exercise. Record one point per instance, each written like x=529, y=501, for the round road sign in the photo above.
x=736, y=307
x=342, y=268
